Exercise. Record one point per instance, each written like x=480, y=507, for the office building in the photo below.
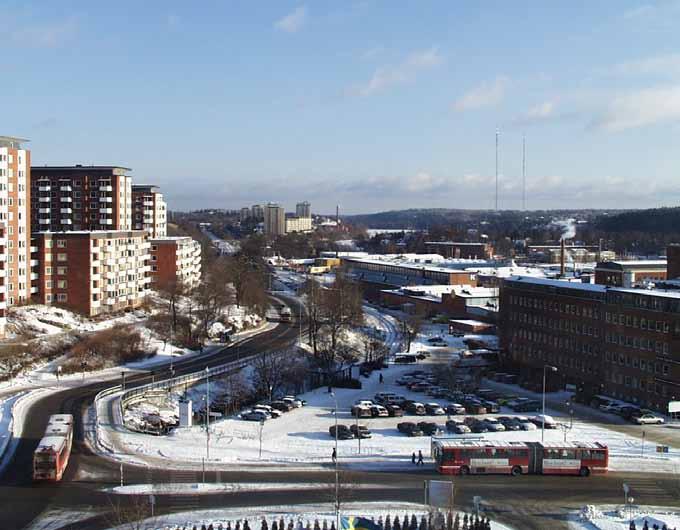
x=149, y=211
x=15, y=229
x=65, y=198
x=93, y=272
x=298, y=224
x=274, y=220
x=175, y=260
x=619, y=342
x=303, y=209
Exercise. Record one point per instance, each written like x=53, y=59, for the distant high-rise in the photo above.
x=15, y=228
x=257, y=212
x=274, y=220
x=245, y=214
x=149, y=211
x=303, y=209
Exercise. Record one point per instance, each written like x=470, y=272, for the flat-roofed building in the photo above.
x=274, y=220
x=629, y=273
x=93, y=272
x=65, y=198
x=303, y=209
x=453, y=249
x=175, y=261
x=298, y=224
x=149, y=210
x=15, y=228
x=457, y=301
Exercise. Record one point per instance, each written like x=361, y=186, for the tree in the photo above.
x=268, y=374
x=161, y=325
x=312, y=292
x=410, y=327
x=341, y=307
x=172, y=290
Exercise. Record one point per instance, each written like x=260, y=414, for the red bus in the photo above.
x=51, y=456
x=463, y=457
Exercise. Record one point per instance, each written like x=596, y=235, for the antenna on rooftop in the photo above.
x=524, y=173
x=498, y=132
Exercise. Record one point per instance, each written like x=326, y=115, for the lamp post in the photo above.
x=207, y=413
x=261, y=427
x=337, y=478
x=123, y=376
x=553, y=369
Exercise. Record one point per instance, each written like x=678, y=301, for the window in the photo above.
x=48, y=271
x=61, y=284
x=61, y=243
x=61, y=297
x=48, y=298
x=61, y=270
x=62, y=256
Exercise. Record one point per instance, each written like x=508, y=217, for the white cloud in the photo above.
x=293, y=21
x=668, y=64
x=405, y=71
x=487, y=94
x=541, y=111
x=641, y=108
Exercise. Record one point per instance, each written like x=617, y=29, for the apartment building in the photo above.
x=244, y=214
x=257, y=212
x=15, y=229
x=149, y=211
x=274, y=220
x=94, y=272
x=298, y=224
x=65, y=198
x=303, y=209
x=623, y=343
x=175, y=260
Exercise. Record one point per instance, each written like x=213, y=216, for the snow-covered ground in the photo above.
x=619, y=518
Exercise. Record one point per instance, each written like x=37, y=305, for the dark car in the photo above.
x=628, y=412
x=491, y=406
x=416, y=408
x=409, y=429
x=531, y=405
x=281, y=405
x=395, y=411
x=455, y=408
x=457, y=427
x=360, y=431
x=510, y=424
x=474, y=407
x=344, y=432
x=429, y=428
x=478, y=427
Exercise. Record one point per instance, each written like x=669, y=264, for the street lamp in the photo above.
x=546, y=368
x=123, y=376
x=337, y=479
x=207, y=413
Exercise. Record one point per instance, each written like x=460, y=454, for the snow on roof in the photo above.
x=594, y=287
x=60, y=418
x=469, y=322
x=429, y=262
x=505, y=272
x=51, y=443
x=436, y=292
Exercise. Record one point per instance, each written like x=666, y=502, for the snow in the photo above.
x=619, y=518
x=178, y=488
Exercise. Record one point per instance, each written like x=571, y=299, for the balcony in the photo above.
x=105, y=199
x=105, y=210
x=66, y=210
x=44, y=210
x=106, y=188
x=106, y=221
x=66, y=222
x=34, y=289
x=148, y=203
x=44, y=199
x=44, y=221
x=34, y=249
x=44, y=188
x=34, y=276
x=33, y=263
x=66, y=199
x=65, y=188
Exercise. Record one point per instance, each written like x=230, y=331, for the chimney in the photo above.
x=562, y=258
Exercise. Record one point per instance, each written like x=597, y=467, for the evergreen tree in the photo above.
x=388, y=523
x=456, y=522
x=396, y=525
x=423, y=523
x=264, y=525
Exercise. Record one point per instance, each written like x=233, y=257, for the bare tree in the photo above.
x=313, y=294
x=173, y=291
x=341, y=307
x=131, y=513
x=410, y=327
x=268, y=373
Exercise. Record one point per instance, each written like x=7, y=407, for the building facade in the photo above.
x=303, y=209
x=673, y=262
x=274, y=220
x=622, y=343
x=298, y=224
x=453, y=249
x=149, y=211
x=94, y=272
x=257, y=212
x=175, y=260
x=15, y=228
x=244, y=214
x=65, y=198
x=630, y=273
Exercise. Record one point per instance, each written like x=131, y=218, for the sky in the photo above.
x=371, y=105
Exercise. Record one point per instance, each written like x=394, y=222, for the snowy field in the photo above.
x=617, y=518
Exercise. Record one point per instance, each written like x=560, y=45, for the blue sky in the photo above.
x=372, y=105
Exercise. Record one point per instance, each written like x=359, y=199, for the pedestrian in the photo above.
x=382, y=379
x=413, y=457
x=334, y=455
x=420, y=458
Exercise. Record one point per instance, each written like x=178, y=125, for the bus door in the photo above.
x=535, y=458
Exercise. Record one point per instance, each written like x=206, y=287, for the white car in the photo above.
x=272, y=412
x=649, y=419
x=540, y=420
x=292, y=401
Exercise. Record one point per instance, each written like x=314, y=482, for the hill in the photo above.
x=652, y=221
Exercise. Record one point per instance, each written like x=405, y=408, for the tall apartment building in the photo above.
x=15, y=229
x=149, y=211
x=245, y=214
x=175, y=260
x=65, y=198
x=303, y=209
x=623, y=343
x=257, y=212
x=274, y=220
x=93, y=272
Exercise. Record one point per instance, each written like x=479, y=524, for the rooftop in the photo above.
x=116, y=170
x=12, y=142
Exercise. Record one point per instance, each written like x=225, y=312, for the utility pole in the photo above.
x=524, y=173
x=498, y=132
x=207, y=413
x=337, y=477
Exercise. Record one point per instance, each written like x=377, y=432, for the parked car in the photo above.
x=281, y=405
x=540, y=420
x=478, y=426
x=455, y=408
x=255, y=415
x=394, y=411
x=409, y=428
x=378, y=411
x=297, y=403
x=512, y=403
x=612, y=408
x=494, y=425
x=274, y=413
x=491, y=406
x=525, y=424
x=416, y=408
x=457, y=426
x=649, y=419
x=434, y=409
x=344, y=433
x=530, y=405
x=420, y=386
x=361, y=411
x=383, y=397
x=429, y=428
x=474, y=407
x=510, y=423
x=628, y=412
x=360, y=431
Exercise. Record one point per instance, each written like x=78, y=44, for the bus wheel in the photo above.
x=584, y=472
x=464, y=470
x=516, y=471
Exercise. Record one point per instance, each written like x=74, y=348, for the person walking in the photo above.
x=382, y=379
x=334, y=455
x=420, y=458
x=413, y=458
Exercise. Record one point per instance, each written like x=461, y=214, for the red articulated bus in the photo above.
x=464, y=457
x=51, y=456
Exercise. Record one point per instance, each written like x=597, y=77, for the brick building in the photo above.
x=453, y=249
x=456, y=301
x=629, y=273
x=92, y=273
x=623, y=343
x=673, y=262
x=65, y=198
x=175, y=260
x=15, y=229
x=149, y=211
